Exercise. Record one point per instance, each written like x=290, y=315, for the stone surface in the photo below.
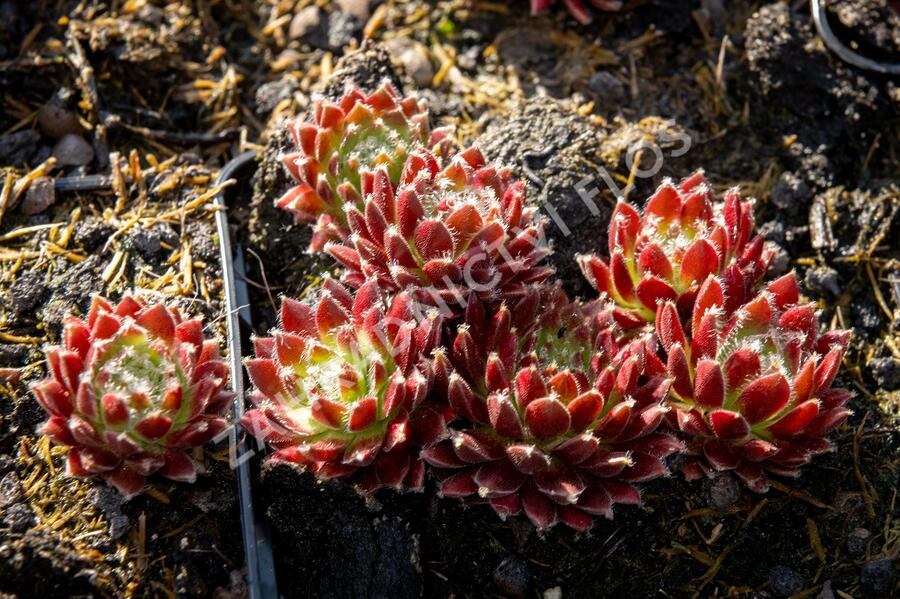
x=358, y=9
x=606, y=87
x=306, y=24
x=56, y=122
x=857, y=541
x=512, y=578
x=73, y=150
x=40, y=195
x=724, y=491
x=785, y=582
x=878, y=576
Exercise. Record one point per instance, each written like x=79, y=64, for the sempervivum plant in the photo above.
x=578, y=8
x=751, y=389
x=131, y=391
x=445, y=232
x=359, y=132
x=562, y=420
x=666, y=255
x=340, y=387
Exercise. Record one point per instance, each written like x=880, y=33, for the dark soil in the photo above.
x=768, y=108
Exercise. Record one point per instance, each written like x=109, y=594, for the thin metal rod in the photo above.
x=257, y=544
x=820, y=17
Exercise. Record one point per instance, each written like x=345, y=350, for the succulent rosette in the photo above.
x=341, y=387
x=359, y=132
x=133, y=389
x=666, y=254
x=580, y=9
x=752, y=389
x=444, y=233
x=558, y=421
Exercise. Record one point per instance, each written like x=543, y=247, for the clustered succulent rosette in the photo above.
x=443, y=233
x=666, y=255
x=558, y=422
x=359, y=133
x=132, y=390
x=341, y=387
x=578, y=8
x=752, y=388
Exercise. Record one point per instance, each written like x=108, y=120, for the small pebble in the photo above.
x=886, y=372
x=824, y=281
x=417, y=65
x=512, y=578
x=785, y=582
x=791, y=193
x=857, y=541
x=41, y=195
x=878, y=575
x=554, y=593
x=73, y=150
x=826, y=592
x=305, y=23
x=56, y=121
x=354, y=8
x=724, y=491
x=342, y=27
x=606, y=86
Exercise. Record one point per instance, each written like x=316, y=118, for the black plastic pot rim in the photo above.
x=258, y=557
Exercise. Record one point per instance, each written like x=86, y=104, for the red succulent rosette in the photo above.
x=341, y=387
x=359, y=132
x=752, y=389
x=666, y=254
x=444, y=233
x=559, y=422
x=131, y=391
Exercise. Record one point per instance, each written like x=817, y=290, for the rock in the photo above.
x=824, y=281
x=57, y=121
x=826, y=592
x=10, y=490
x=554, y=593
x=17, y=149
x=878, y=575
x=606, y=87
x=149, y=241
x=414, y=58
x=785, y=582
x=18, y=517
x=271, y=94
x=358, y=9
x=857, y=541
x=512, y=578
x=73, y=150
x=307, y=26
x=342, y=28
x=41, y=195
x=791, y=193
x=724, y=491
x=886, y=372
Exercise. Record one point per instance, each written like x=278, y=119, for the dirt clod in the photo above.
x=785, y=582
x=512, y=578
x=878, y=575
